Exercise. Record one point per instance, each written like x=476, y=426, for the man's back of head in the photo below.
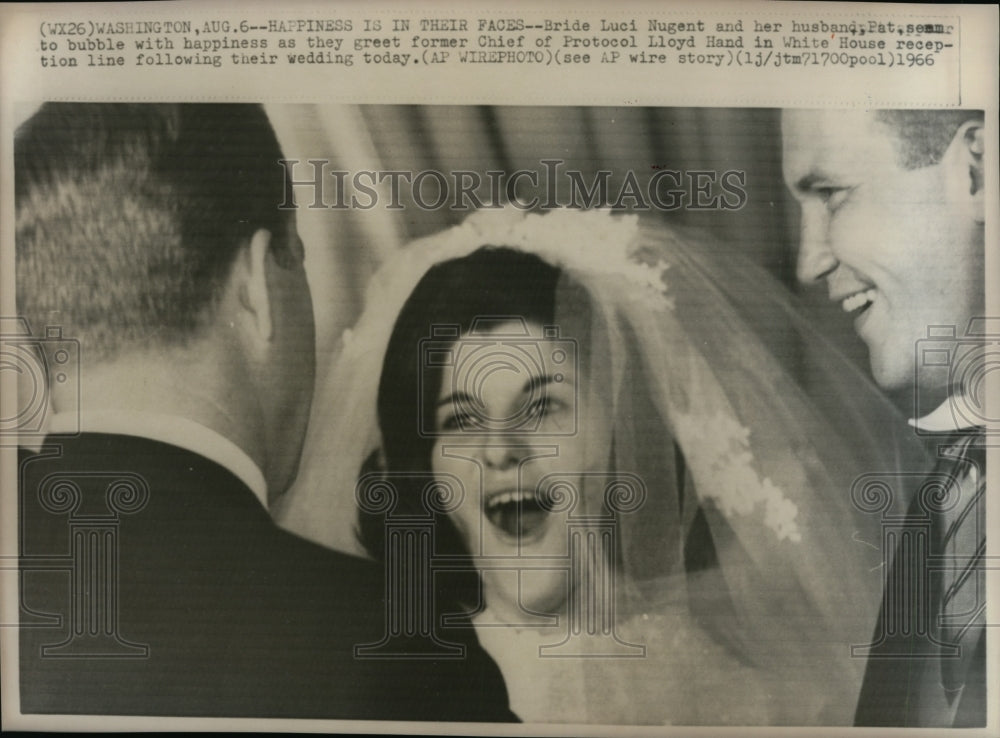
x=152, y=234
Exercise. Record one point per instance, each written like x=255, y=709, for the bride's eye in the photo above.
x=543, y=406
x=455, y=421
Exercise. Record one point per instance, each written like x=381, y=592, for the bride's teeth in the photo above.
x=505, y=497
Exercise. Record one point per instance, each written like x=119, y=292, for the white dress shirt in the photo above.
x=947, y=416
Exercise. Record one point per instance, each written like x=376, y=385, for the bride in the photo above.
x=658, y=521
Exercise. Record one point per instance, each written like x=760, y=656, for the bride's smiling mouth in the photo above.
x=517, y=514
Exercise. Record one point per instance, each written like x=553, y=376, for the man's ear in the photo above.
x=964, y=159
x=253, y=294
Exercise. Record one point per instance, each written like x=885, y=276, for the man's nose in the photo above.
x=815, y=259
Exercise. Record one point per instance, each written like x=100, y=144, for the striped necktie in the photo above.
x=962, y=548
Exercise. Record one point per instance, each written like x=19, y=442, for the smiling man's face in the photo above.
x=898, y=248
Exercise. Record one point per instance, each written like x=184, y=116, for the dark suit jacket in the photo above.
x=905, y=690
x=193, y=602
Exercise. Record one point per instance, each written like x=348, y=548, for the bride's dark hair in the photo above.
x=490, y=282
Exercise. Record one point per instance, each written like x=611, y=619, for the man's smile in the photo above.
x=860, y=300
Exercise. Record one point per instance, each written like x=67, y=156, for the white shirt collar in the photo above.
x=176, y=431
x=950, y=415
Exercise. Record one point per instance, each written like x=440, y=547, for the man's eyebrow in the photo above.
x=808, y=181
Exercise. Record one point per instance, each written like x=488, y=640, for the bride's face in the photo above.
x=511, y=419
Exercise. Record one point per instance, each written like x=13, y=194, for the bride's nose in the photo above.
x=501, y=452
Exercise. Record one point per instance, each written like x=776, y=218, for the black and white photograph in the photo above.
x=498, y=418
